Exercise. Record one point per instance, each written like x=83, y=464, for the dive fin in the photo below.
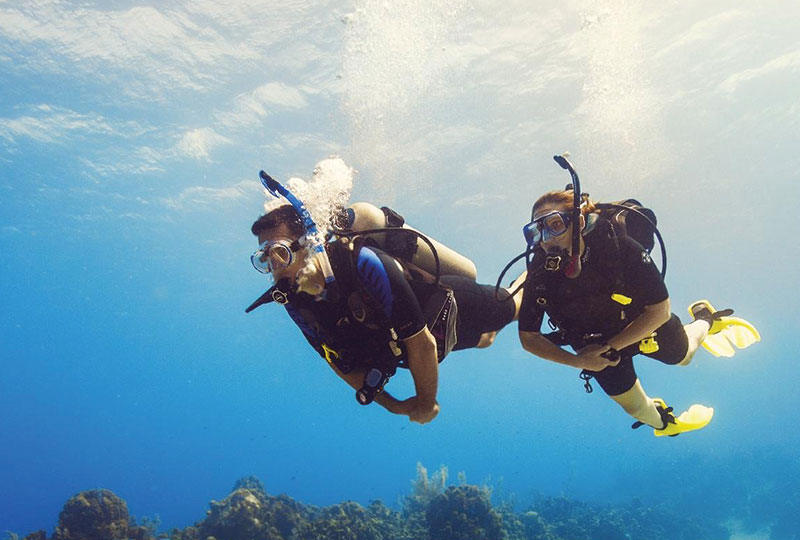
x=740, y=332
x=718, y=345
x=724, y=330
x=696, y=417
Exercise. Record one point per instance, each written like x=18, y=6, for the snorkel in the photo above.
x=573, y=268
x=553, y=259
x=313, y=239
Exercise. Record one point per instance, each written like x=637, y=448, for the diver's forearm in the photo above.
x=538, y=345
x=388, y=402
x=425, y=372
x=642, y=326
x=424, y=366
x=355, y=379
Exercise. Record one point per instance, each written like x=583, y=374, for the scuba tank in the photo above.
x=402, y=241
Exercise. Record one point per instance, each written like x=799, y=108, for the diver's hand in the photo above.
x=423, y=415
x=417, y=411
x=591, y=358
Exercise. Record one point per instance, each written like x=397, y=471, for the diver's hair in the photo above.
x=285, y=214
x=563, y=198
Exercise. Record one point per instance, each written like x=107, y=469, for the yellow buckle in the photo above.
x=649, y=345
x=621, y=299
x=330, y=354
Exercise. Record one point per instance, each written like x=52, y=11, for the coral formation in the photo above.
x=464, y=513
x=432, y=511
x=97, y=514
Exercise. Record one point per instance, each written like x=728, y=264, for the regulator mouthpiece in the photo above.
x=573, y=268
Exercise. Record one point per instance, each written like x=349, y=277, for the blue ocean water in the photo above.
x=131, y=136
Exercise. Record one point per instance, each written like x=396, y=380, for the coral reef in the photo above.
x=97, y=514
x=464, y=513
x=349, y=521
x=572, y=520
x=432, y=511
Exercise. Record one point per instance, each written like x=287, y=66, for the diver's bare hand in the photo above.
x=591, y=358
x=417, y=411
x=423, y=415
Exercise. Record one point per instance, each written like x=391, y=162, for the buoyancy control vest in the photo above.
x=629, y=218
x=614, y=221
x=353, y=331
x=358, y=318
x=365, y=311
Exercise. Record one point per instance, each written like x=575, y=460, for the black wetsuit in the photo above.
x=378, y=296
x=618, y=279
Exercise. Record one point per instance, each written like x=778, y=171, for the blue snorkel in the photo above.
x=316, y=243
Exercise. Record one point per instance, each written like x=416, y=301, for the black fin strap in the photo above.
x=666, y=416
x=706, y=315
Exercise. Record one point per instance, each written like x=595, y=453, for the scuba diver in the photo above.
x=375, y=295
x=590, y=272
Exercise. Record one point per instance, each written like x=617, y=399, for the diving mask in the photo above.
x=275, y=254
x=546, y=227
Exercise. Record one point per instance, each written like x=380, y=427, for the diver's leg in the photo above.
x=677, y=342
x=487, y=338
x=622, y=385
x=481, y=313
x=696, y=333
x=637, y=404
x=516, y=286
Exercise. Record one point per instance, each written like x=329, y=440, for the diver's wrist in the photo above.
x=612, y=353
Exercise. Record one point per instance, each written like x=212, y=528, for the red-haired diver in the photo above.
x=604, y=297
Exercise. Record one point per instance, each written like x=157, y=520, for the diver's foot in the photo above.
x=696, y=417
x=517, y=283
x=702, y=310
x=515, y=290
x=486, y=340
x=725, y=332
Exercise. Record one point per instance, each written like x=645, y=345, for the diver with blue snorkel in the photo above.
x=590, y=272
x=372, y=295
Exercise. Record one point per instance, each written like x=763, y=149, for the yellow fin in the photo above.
x=727, y=332
x=696, y=417
x=718, y=345
x=740, y=332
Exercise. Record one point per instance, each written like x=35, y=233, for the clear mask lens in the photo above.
x=546, y=227
x=271, y=256
x=553, y=225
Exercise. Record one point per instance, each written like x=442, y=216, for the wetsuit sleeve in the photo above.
x=384, y=280
x=640, y=275
x=531, y=313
